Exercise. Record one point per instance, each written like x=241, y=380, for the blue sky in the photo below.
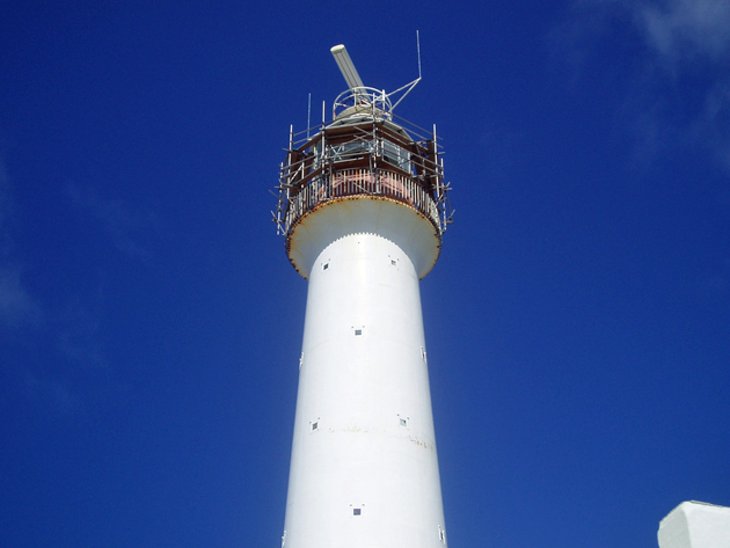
x=578, y=321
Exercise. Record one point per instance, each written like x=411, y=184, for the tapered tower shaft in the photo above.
x=362, y=207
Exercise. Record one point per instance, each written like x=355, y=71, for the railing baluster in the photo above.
x=354, y=181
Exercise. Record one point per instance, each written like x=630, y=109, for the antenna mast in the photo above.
x=360, y=95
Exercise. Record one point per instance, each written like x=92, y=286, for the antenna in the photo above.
x=347, y=67
x=418, y=52
x=359, y=95
x=309, y=114
x=410, y=85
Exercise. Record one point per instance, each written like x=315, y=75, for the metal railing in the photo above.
x=361, y=181
x=363, y=100
x=362, y=157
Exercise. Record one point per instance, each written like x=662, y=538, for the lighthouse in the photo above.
x=363, y=208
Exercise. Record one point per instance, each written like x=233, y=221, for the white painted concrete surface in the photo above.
x=695, y=524
x=364, y=470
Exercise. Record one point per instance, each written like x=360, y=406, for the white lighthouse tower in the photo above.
x=362, y=205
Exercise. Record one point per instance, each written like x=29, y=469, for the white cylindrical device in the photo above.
x=361, y=216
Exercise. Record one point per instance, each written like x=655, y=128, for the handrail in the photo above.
x=361, y=181
x=368, y=158
x=362, y=99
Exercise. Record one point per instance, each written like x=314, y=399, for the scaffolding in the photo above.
x=365, y=151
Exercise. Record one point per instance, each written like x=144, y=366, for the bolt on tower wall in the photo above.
x=362, y=206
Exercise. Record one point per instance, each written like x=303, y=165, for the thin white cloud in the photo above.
x=127, y=226
x=684, y=44
x=680, y=30
x=4, y=211
x=17, y=306
x=73, y=335
x=714, y=124
x=79, y=339
x=51, y=392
